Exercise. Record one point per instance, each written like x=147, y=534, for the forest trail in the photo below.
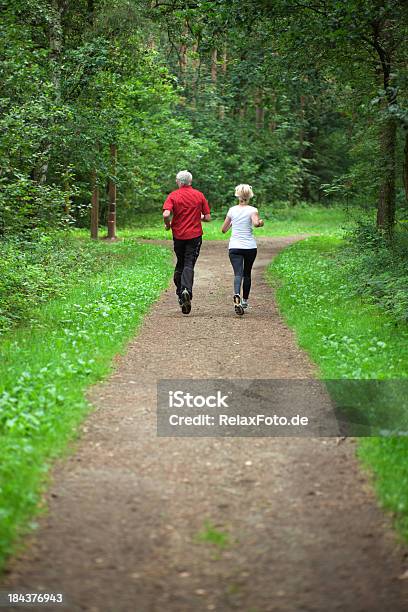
x=305, y=533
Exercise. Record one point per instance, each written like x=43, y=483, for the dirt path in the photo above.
x=121, y=535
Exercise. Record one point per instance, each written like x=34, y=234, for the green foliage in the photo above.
x=73, y=85
x=43, y=266
x=291, y=104
x=332, y=74
x=26, y=206
x=346, y=337
x=46, y=368
x=242, y=153
x=377, y=268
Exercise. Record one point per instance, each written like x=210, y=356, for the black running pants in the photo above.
x=187, y=252
x=242, y=261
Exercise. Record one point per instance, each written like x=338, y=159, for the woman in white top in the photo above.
x=242, y=245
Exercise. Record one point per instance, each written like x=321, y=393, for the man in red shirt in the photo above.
x=183, y=211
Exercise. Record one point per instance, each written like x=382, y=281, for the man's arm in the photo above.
x=167, y=219
x=205, y=211
x=168, y=211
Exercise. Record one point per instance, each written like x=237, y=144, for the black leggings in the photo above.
x=242, y=261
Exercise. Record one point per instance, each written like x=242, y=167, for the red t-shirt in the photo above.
x=186, y=204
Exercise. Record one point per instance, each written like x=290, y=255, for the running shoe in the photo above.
x=237, y=305
x=185, y=302
x=244, y=303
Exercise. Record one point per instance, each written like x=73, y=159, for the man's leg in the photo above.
x=179, y=249
x=191, y=253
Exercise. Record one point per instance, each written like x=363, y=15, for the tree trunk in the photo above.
x=195, y=63
x=259, y=109
x=272, y=114
x=55, y=44
x=112, y=195
x=224, y=60
x=95, y=207
x=308, y=153
x=302, y=126
x=90, y=11
x=221, y=111
x=383, y=43
x=386, y=201
x=214, y=66
x=55, y=39
x=183, y=61
x=67, y=199
x=405, y=165
x=183, y=57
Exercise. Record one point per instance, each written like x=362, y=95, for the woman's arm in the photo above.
x=256, y=220
x=226, y=225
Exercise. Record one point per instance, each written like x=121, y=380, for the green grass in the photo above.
x=347, y=338
x=279, y=221
x=212, y=535
x=42, y=266
x=46, y=367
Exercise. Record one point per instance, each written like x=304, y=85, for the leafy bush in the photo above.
x=377, y=268
x=26, y=205
x=35, y=269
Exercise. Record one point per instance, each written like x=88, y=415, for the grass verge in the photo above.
x=279, y=221
x=347, y=337
x=45, y=369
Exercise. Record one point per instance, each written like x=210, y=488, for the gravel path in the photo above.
x=303, y=529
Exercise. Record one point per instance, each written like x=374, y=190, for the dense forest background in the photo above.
x=306, y=100
x=102, y=102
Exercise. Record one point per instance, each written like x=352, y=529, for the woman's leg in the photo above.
x=237, y=262
x=249, y=258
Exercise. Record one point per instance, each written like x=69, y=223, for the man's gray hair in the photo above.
x=185, y=177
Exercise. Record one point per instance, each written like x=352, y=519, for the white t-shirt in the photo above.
x=242, y=229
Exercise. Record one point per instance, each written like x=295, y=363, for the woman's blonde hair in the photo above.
x=244, y=192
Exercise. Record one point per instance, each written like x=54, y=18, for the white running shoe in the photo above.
x=185, y=302
x=237, y=305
